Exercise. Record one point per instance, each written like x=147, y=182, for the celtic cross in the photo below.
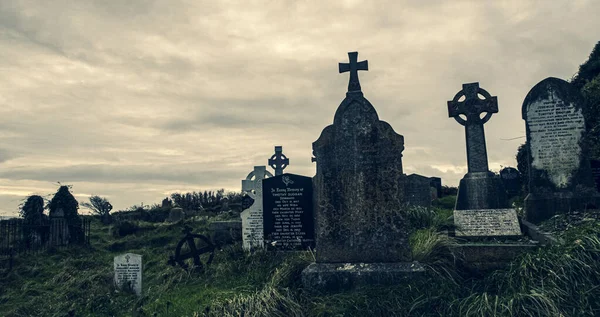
x=252, y=185
x=472, y=106
x=278, y=161
x=353, y=67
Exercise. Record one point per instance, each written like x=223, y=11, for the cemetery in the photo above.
x=359, y=238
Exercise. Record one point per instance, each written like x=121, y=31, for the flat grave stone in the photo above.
x=288, y=212
x=487, y=223
x=128, y=272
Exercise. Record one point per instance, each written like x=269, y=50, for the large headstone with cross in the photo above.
x=479, y=188
x=361, y=232
x=278, y=161
x=481, y=206
x=560, y=177
x=252, y=218
x=128, y=272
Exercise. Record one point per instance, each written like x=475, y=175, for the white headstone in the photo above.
x=252, y=218
x=128, y=272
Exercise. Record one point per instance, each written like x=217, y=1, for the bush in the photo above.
x=446, y=202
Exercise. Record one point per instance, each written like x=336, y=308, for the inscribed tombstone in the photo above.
x=486, y=223
x=418, y=190
x=288, y=212
x=128, y=272
x=252, y=218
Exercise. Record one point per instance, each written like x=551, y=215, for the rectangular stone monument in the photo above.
x=560, y=177
x=436, y=183
x=361, y=229
x=487, y=223
x=417, y=190
x=288, y=212
x=252, y=218
x=128, y=272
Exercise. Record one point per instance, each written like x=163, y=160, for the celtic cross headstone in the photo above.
x=252, y=218
x=278, y=161
x=472, y=107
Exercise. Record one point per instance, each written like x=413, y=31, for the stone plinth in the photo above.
x=340, y=276
x=481, y=190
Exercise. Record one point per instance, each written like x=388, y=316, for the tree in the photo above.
x=99, y=206
x=32, y=210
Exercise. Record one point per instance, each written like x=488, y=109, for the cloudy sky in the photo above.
x=136, y=99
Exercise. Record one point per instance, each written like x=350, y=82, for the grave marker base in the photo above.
x=481, y=190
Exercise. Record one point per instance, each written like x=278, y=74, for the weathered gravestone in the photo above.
x=288, y=212
x=479, y=188
x=481, y=202
x=278, y=161
x=361, y=232
x=436, y=183
x=417, y=190
x=176, y=214
x=511, y=179
x=128, y=272
x=252, y=218
x=560, y=177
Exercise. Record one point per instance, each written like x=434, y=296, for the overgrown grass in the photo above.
x=557, y=281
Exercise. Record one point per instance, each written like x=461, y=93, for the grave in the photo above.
x=128, y=272
x=176, y=214
x=481, y=205
x=436, y=183
x=361, y=233
x=511, y=179
x=479, y=188
x=278, y=161
x=418, y=190
x=288, y=212
x=560, y=175
x=252, y=218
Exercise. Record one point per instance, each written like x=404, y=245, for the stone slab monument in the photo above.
x=560, y=176
x=252, y=218
x=417, y=190
x=128, y=272
x=481, y=206
x=511, y=179
x=278, y=161
x=361, y=232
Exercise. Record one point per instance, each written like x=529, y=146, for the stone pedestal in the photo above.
x=339, y=276
x=481, y=190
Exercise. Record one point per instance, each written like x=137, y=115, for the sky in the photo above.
x=134, y=100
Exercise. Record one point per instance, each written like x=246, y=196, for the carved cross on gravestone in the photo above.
x=353, y=67
x=476, y=102
x=278, y=161
x=253, y=182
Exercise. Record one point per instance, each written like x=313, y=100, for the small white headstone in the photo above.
x=252, y=218
x=128, y=272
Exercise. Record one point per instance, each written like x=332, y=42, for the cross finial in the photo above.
x=353, y=67
x=278, y=161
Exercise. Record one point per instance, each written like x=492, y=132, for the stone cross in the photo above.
x=472, y=107
x=353, y=67
x=254, y=186
x=278, y=161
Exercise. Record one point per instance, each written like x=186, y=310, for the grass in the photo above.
x=557, y=281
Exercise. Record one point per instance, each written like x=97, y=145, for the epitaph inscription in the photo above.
x=252, y=218
x=288, y=212
x=128, y=272
x=486, y=223
x=555, y=129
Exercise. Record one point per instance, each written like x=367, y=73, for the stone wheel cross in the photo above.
x=278, y=161
x=193, y=246
x=252, y=185
x=468, y=103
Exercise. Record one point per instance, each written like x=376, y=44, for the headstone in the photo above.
x=487, y=223
x=252, y=218
x=176, y=214
x=128, y=272
x=511, y=179
x=361, y=231
x=417, y=190
x=225, y=205
x=59, y=228
x=479, y=188
x=167, y=203
x=288, y=212
x=436, y=183
x=278, y=161
x=560, y=177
